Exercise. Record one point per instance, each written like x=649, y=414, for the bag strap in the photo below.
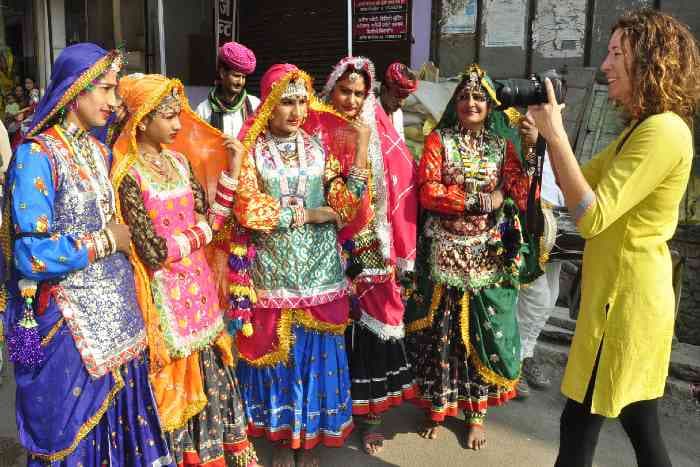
x=627, y=135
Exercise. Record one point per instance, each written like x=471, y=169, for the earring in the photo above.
x=142, y=127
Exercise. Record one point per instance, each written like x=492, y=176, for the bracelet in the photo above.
x=227, y=181
x=100, y=245
x=486, y=202
x=111, y=241
x=183, y=244
x=472, y=203
x=223, y=200
x=216, y=221
x=358, y=173
x=192, y=239
x=107, y=245
x=89, y=242
x=298, y=216
x=201, y=238
x=206, y=231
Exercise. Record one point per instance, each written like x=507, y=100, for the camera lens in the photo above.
x=518, y=92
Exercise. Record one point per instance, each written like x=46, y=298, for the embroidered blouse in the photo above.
x=295, y=266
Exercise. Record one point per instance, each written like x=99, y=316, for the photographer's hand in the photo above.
x=528, y=130
x=547, y=117
x=577, y=191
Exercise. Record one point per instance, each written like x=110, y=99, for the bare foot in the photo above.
x=429, y=430
x=476, y=437
x=282, y=456
x=307, y=459
x=373, y=443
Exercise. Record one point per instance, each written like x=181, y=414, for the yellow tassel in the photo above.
x=247, y=329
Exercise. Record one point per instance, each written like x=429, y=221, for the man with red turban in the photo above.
x=399, y=83
x=228, y=104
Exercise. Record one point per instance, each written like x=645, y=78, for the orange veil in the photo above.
x=203, y=146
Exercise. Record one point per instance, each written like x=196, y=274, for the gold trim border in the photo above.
x=88, y=426
x=289, y=317
x=76, y=88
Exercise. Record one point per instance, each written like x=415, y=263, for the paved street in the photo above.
x=520, y=434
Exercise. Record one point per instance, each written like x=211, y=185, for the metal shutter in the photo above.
x=311, y=34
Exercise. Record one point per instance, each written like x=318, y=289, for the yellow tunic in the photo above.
x=627, y=266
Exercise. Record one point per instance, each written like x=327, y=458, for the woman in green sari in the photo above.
x=461, y=318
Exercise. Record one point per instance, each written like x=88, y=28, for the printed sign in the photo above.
x=380, y=20
x=225, y=13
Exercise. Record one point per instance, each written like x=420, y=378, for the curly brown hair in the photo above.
x=665, y=69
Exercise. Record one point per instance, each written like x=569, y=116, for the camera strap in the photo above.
x=622, y=142
x=534, y=215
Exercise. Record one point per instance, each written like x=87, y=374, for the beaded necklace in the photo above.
x=83, y=154
x=293, y=147
x=471, y=148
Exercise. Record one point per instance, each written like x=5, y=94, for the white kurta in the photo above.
x=233, y=122
x=397, y=120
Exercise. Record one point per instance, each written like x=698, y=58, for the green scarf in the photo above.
x=218, y=106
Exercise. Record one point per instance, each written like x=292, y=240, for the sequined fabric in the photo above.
x=467, y=245
x=296, y=267
x=98, y=302
x=188, y=306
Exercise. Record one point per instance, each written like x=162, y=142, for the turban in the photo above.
x=397, y=77
x=237, y=57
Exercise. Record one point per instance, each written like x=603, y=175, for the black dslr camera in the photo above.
x=515, y=92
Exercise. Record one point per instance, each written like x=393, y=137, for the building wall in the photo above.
x=555, y=33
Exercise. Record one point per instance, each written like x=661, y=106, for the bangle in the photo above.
x=486, y=202
x=183, y=245
x=298, y=216
x=223, y=200
x=89, y=242
x=206, y=231
x=191, y=239
x=358, y=173
x=226, y=181
x=100, y=246
x=111, y=240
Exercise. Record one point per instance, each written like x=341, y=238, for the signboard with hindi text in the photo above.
x=225, y=14
x=380, y=20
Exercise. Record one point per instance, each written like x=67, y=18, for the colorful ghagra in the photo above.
x=294, y=370
x=381, y=244
x=90, y=401
x=463, y=339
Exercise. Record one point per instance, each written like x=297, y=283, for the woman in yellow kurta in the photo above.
x=626, y=204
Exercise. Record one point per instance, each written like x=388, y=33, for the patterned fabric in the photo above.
x=48, y=198
x=447, y=379
x=460, y=233
x=469, y=264
x=217, y=435
x=293, y=370
x=92, y=331
x=381, y=375
x=152, y=248
x=384, y=238
x=179, y=295
x=305, y=403
x=295, y=267
x=188, y=306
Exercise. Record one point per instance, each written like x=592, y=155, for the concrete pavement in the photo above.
x=520, y=434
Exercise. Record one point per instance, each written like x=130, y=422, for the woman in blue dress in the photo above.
x=73, y=325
